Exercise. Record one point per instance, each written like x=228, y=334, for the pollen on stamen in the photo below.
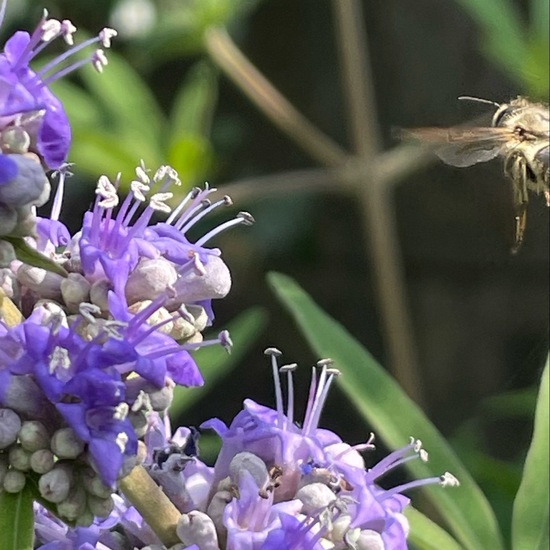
x=50, y=29
x=121, y=411
x=449, y=480
x=157, y=202
x=99, y=60
x=59, y=358
x=68, y=30
x=105, y=36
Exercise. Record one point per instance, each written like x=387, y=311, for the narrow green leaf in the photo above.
x=195, y=102
x=31, y=256
x=394, y=417
x=503, y=29
x=531, y=506
x=215, y=363
x=427, y=535
x=126, y=98
x=16, y=520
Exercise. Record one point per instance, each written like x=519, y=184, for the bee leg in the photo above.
x=515, y=168
x=521, y=222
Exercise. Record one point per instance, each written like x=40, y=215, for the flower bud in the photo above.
x=45, y=283
x=42, y=461
x=99, y=293
x=66, y=444
x=93, y=484
x=14, y=481
x=149, y=279
x=314, y=497
x=74, y=505
x=215, y=283
x=24, y=396
x=19, y=458
x=55, y=485
x=251, y=463
x=100, y=507
x=10, y=424
x=197, y=528
x=85, y=519
x=34, y=436
x=30, y=186
x=75, y=290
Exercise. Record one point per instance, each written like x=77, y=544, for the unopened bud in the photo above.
x=100, y=507
x=93, y=484
x=75, y=290
x=34, y=436
x=250, y=463
x=14, y=481
x=149, y=279
x=42, y=461
x=10, y=424
x=19, y=458
x=197, y=528
x=74, y=505
x=99, y=294
x=55, y=485
x=86, y=519
x=66, y=444
x=45, y=283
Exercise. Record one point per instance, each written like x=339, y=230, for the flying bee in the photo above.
x=519, y=133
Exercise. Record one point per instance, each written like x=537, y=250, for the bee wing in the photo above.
x=463, y=146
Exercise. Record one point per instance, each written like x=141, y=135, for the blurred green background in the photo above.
x=468, y=335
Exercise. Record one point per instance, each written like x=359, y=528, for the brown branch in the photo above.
x=357, y=78
x=270, y=101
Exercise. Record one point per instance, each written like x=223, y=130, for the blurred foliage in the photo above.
x=519, y=47
x=394, y=416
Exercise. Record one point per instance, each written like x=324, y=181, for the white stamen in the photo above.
x=106, y=190
x=449, y=480
x=50, y=29
x=156, y=202
x=99, y=60
x=121, y=441
x=121, y=411
x=59, y=358
x=139, y=190
x=67, y=30
x=105, y=36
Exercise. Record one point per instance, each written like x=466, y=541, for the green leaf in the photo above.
x=394, y=417
x=126, y=98
x=427, y=535
x=16, y=520
x=504, y=32
x=215, y=363
x=195, y=101
x=531, y=506
x=31, y=256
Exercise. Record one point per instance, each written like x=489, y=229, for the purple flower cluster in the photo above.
x=34, y=130
x=275, y=485
x=96, y=329
x=100, y=341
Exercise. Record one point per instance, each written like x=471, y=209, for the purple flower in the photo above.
x=77, y=379
x=338, y=499
x=31, y=117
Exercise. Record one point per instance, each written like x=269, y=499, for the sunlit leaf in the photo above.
x=531, y=506
x=16, y=520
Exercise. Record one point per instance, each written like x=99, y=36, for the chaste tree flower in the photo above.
x=96, y=330
x=103, y=338
x=275, y=485
x=35, y=134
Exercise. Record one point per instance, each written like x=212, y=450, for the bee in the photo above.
x=519, y=133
